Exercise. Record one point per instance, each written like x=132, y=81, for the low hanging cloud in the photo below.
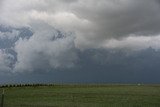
x=9, y=35
x=92, y=21
x=134, y=42
x=46, y=50
x=58, y=28
x=7, y=39
x=5, y=62
x=40, y=48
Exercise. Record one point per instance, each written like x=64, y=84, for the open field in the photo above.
x=83, y=96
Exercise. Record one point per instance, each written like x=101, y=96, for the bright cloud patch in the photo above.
x=44, y=35
x=48, y=47
x=134, y=42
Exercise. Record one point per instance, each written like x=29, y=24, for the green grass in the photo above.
x=83, y=96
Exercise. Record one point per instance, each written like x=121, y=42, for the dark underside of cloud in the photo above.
x=99, y=66
x=91, y=65
x=80, y=41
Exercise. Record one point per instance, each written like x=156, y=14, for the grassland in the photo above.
x=83, y=96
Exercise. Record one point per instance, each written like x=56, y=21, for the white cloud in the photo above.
x=93, y=21
x=134, y=42
x=63, y=20
x=47, y=49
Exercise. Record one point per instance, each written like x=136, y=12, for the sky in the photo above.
x=79, y=41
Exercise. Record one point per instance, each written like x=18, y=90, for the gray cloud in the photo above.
x=48, y=43
x=134, y=42
x=101, y=66
x=119, y=18
x=93, y=21
x=5, y=62
x=9, y=35
x=46, y=50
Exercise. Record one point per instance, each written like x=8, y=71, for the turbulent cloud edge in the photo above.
x=108, y=24
x=93, y=21
x=47, y=49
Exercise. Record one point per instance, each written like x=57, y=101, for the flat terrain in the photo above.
x=83, y=96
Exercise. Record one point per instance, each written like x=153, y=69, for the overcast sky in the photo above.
x=80, y=41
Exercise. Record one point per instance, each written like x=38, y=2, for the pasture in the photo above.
x=82, y=96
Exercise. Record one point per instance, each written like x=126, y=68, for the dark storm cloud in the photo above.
x=93, y=21
x=101, y=66
x=120, y=18
x=54, y=31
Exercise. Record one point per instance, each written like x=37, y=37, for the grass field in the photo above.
x=83, y=96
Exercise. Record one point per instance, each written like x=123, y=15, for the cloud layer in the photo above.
x=93, y=21
x=44, y=35
x=47, y=49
